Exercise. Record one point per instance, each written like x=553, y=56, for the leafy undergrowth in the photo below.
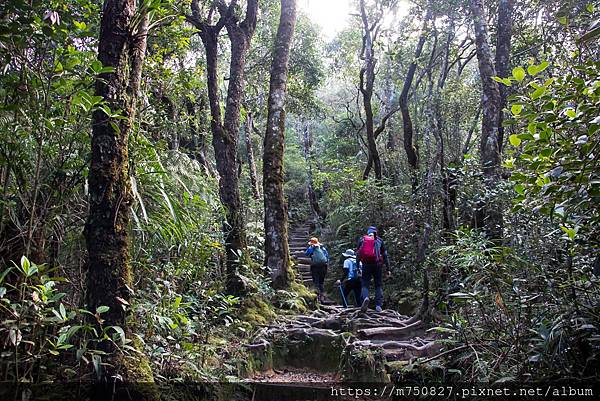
x=197, y=334
x=189, y=330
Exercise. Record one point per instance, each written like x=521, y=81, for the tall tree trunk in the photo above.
x=409, y=147
x=226, y=130
x=250, y=153
x=276, y=235
x=121, y=46
x=367, y=80
x=490, y=215
x=504, y=29
x=197, y=142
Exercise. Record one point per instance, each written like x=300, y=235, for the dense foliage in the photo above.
x=523, y=306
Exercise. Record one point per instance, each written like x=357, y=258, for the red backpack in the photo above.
x=369, y=251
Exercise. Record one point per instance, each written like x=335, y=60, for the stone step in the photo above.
x=298, y=251
x=298, y=235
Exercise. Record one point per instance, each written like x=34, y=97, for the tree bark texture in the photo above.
x=409, y=147
x=250, y=153
x=121, y=46
x=504, y=34
x=490, y=217
x=197, y=142
x=367, y=80
x=225, y=129
x=276, y=235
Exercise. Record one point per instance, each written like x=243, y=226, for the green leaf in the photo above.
x=516, y=109
x=538, y=93
x=101, y=309
x=514, y=140
x=25, y=264
x=97, y=362
x=570, y=113
x=518, y=73
x=571, y=232
x=520, y=189
x=505, y=81
x=121, y=334
x=80, y=25
x=536, y=69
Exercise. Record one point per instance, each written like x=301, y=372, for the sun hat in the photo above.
x=313, y=241
x=349, y=253
x=372, y=230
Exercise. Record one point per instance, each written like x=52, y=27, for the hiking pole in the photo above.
x=343, y=296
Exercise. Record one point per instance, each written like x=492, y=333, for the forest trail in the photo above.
x=298, y=241
x=333, y=344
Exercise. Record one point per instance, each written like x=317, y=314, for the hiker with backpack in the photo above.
x=350, y=281
x=373, y=255
x=319, y=258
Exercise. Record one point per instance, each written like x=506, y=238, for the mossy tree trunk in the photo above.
x=250, y=154
x=407, y=125
x=225, y=128
x=276, y=235
x=196, y=144
x=489, y=214
x=122, y=47
x=503, y=37
x=367, y=81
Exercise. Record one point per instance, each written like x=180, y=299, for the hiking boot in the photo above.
x=365, y=305
x=378, y=308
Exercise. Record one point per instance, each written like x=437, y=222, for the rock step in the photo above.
x=299, y=235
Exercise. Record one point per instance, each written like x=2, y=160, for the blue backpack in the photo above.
x=354, y=272
x=318, y=256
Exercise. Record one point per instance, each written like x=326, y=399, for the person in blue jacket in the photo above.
x=351, y=277
x=319, y=258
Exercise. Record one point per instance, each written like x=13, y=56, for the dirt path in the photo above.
x=334, y=344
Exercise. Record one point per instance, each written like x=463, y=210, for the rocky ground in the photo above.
x=336, y=344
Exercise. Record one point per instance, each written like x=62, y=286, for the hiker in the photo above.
x=373, y=255
x=319, y=257
x=351, y=278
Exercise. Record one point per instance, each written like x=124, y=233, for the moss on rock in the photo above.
x=256, y=311
x=363, y=365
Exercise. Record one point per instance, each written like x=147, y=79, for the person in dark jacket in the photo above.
x=319, y=258
x=374, y=258
x=350, y=277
